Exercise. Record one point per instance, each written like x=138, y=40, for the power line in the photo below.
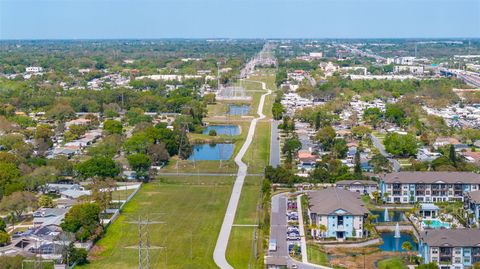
x=144, y=246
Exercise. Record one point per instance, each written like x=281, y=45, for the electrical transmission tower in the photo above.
x=144, y=246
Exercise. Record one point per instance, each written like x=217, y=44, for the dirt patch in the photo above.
x=357, y=258
x=95, y=252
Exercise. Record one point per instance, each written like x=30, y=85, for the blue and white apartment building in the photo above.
x=342, y=212
x=450, y=249
x=428, y=187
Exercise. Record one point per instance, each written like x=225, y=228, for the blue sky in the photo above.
x=107, y=19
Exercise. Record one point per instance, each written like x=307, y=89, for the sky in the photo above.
x=111, y=19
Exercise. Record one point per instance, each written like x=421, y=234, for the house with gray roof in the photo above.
x=450, y=249
x=337, y=213
x=427, y=187
x=360, y=186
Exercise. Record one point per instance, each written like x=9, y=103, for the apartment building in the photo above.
x=337, y=213
x=450, y=249
x=472, y=205
x=428, y=187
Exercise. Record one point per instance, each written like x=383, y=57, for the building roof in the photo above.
x=330, y=200
x=432, y=177
x=452, y=237
x=474, y=196
x=356, y=182
x=428, y=206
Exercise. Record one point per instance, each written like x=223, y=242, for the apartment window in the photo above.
x=466, y=260
x=458, y=251
x=435, y=260
x=458, y=260
x=405, y=199
x=434, y=250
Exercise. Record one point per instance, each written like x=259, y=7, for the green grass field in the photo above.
x=192, y=210
x=393, y=263
x=316, y=255
x=240, y=252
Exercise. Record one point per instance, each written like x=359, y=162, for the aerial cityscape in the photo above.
x=130, y=145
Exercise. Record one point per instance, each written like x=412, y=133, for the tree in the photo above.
x=325, y=136
x=139, y=162
x=39, y=177
x=394, y=113
x=97, y=166
x=357, y=170
x=277, y=110
x=291, y=147
x=83, y=220
x=372, y=115
x=4, y=238
x=18, y=202
x=428, y=266
x=46, y=201
x=361, y=131
x=401, y=145
x=323, y=229
x=113, y=127
x=138, y=143
x=339, y=148
x=452, y=155
x=380, y=163
x=212, y=132
x=158, y=153
x=407, y=246
x=8, y=173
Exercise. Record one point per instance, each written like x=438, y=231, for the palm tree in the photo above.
x=323, y=230
x=428, y=223
x=312, y=228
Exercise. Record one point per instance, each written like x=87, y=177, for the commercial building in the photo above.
x=450, y=249
x=427, y=187
x=337, y=213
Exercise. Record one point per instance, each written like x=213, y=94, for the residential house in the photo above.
x=341, y=212
x=48, y=216
x=359, y=186
x=450, y=249
x=429, y=187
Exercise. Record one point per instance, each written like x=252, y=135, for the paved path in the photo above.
x=381, y=148
x=274, y=145
x=303, y=242
x=206, y=174
x=219, y=254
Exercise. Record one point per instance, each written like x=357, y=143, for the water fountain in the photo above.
x=397, y=231
x=386, y=217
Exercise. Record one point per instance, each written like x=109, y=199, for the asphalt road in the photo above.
x=381, y=148
x=275, y=145
x=219, y=254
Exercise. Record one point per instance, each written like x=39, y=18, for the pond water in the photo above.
x=238, y=109
x=211, y=152
x=390, y=243
x=223, y=129
x=393, y=216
